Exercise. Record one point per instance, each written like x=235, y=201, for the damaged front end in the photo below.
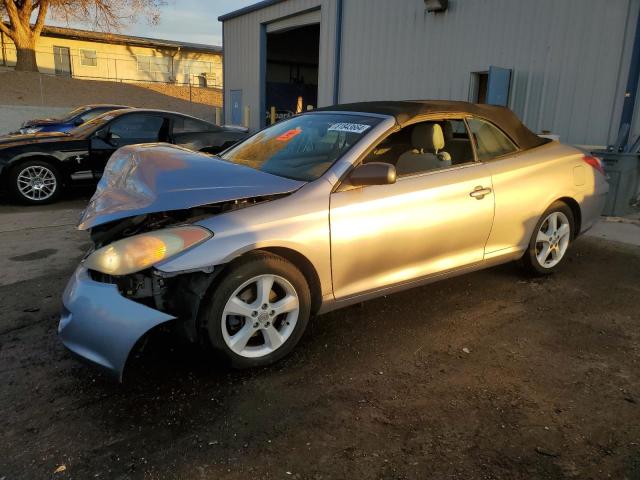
x=105, y=315
x=140, y=216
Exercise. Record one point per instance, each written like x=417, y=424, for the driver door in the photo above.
x=128, y=129
x=430, y=221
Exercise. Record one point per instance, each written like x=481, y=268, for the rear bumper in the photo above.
x=101, y=326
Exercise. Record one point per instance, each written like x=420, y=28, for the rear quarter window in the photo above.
x=490, y=141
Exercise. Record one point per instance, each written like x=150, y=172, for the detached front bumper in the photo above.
x=100, y=325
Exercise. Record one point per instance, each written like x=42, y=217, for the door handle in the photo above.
x=480, y=192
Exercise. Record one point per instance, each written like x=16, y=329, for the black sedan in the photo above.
x=35, y=168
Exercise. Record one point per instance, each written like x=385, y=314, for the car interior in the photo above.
x=425, y=146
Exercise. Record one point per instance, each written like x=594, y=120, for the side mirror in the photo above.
x=374, y=173
x=103, y=135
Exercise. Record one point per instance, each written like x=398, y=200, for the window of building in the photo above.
x=425, y=146
x=491, y=142
x=196, y=67
x=148, y=63
x=88, y=58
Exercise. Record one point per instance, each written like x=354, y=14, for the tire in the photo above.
x=235, y=322
x=556, y=240
x=45, y=186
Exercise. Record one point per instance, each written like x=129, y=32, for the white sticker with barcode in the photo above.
x=349, y=127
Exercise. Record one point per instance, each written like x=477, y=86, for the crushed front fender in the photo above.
x=98, y=324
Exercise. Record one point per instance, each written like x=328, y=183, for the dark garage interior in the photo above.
x=292, y=70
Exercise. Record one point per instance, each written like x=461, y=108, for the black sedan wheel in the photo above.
x=35, y=182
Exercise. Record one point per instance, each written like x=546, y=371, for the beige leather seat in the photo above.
x=427, y=140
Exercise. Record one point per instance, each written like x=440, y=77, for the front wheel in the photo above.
x=550, y=240
x=258, y=312
x=35, y=182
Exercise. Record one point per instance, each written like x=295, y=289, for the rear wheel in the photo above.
x=258, y=312
x=35, y=182
x=550, y=240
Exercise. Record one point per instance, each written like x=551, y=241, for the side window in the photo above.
x=490, y=141
x=425, y=146
x=191, y=125
x=137, y=127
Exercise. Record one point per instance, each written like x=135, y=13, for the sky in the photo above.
x=193, y=21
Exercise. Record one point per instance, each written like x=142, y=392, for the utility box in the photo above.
x=622, y=170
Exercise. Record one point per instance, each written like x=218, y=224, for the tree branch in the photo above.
x=12, y=12
x=43, y=6
x=5, y=30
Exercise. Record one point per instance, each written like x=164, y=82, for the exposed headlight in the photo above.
x=30, y=130
x=136, y=253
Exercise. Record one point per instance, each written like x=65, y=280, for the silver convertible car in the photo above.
x=315, y=213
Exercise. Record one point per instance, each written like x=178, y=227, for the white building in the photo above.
x=561, y=65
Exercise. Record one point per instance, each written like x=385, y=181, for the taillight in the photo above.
x=595, y=163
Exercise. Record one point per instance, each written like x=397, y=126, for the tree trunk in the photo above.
x=26, y=53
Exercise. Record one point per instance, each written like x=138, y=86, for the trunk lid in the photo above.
x=142, y=179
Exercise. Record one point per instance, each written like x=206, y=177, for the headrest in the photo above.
x=427, y=137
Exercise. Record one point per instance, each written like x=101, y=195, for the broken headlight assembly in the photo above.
x=139, y=252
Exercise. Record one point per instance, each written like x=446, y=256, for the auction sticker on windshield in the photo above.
x=286, y=136
x=349, y=127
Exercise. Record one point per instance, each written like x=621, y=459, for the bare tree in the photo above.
x=105, y=15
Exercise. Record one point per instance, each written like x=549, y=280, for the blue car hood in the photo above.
x=150, y=178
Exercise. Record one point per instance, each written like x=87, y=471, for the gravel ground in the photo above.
x=489, y=375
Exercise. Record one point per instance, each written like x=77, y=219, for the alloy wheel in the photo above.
x=260, y=316
x=37, y=182
x=553, y=239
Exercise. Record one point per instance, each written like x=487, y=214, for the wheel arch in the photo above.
x=305, y=266
x=575, y=209
x=43, y=157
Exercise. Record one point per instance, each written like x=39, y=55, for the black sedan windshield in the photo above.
x=304, y=147
x=74, y=113
x=92, y=125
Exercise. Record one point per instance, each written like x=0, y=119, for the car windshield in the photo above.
x=74, y=113
x=92, y=125
x=303, y=147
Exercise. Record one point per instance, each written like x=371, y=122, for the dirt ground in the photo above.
x=32, y=89
x=492, y=375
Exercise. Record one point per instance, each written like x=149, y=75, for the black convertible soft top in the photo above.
x=407, y=110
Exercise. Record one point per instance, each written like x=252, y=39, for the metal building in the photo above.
x=562, y=65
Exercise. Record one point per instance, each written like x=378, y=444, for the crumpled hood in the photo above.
x=141, y=179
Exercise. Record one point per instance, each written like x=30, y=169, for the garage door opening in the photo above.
x=292, y=71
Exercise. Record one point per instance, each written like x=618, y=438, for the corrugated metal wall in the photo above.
x=242, y=38
x=566, y=55
x=569, y=58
